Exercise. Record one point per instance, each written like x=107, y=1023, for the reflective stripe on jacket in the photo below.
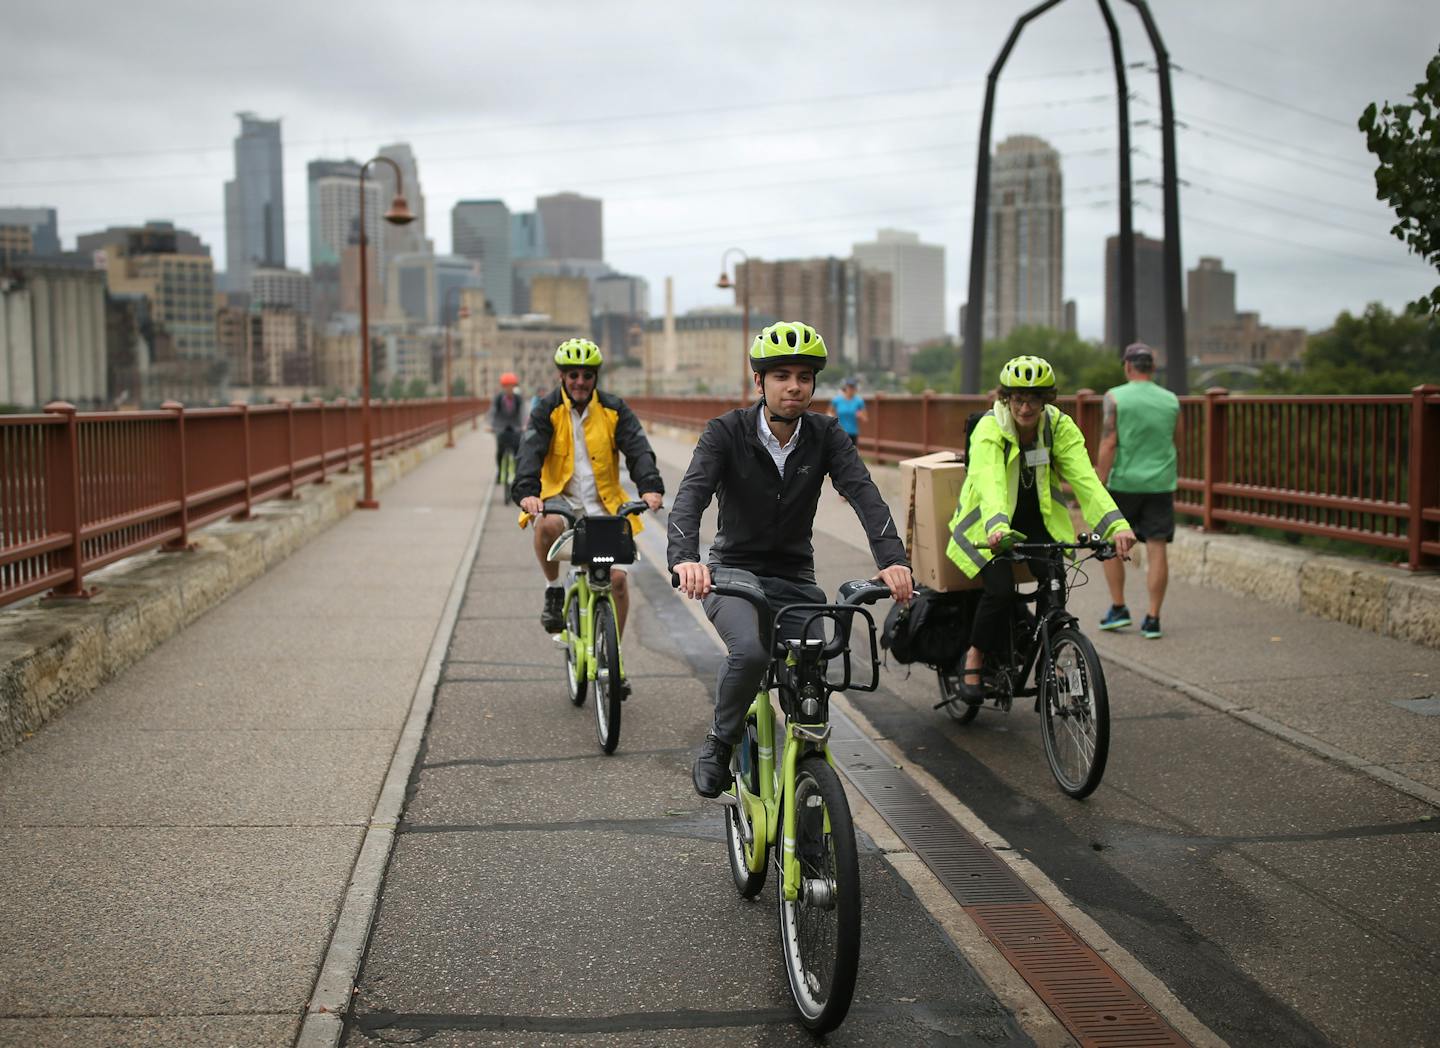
x=992, y=486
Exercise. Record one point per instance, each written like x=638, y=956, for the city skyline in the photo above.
x=690, y=158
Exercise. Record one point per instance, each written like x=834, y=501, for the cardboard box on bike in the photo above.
x=931, y=487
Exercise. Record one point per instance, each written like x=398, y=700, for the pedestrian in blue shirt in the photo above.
x=849, y=408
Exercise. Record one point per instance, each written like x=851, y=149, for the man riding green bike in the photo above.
x=571, y=451
x=767, y=464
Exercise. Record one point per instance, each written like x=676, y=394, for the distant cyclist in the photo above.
x=571, y=452
x=506, y=419
x=767, y=464
x=1019, y=454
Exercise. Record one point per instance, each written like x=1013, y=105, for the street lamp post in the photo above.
x=723, y=283
x=399, y=215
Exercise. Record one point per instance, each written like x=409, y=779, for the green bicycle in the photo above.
x=800, y=801
x=591, y=638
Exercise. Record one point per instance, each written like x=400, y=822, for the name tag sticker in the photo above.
x=1038, y=457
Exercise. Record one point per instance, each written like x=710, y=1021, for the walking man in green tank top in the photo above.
x=1138, y=465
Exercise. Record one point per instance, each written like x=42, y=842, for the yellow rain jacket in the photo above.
x=546, y=461
x=992, y=485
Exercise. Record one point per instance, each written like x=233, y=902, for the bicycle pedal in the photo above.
x=561, y=639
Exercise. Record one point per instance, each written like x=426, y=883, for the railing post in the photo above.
x=344, y=403
x=319, y=403
x=244, y=407
x=875, y=436
x=1215, y=441
x=1092, y=442
x=62, y=508
x=925, y=422
x=1424, y=460
x=289, y=407
x=181, y=544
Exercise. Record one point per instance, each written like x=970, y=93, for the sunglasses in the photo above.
x=588, y=374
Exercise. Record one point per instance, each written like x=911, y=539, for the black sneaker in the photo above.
x=711, y=774
x=553, y=617
x=1150, y=628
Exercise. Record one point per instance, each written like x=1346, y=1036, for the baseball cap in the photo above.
x=1138, y=352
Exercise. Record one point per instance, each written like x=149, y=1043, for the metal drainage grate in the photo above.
x=1089, y=997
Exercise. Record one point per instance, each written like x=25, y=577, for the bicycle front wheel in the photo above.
x=820, y=930
x=1076, y=709
x=607, y=677
x=574, y=670
x=507, y=475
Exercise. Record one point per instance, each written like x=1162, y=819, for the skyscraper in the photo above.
x=334, y=195
x=574, y=226
x=917, y=287
x=1025, y=238
x=254, y=203
x=480, y=231
x=1149, y=292
x=849, y=305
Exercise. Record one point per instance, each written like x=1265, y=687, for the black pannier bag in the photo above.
x=603, y=540
x=934, y=628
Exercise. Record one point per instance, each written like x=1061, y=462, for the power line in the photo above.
x=533, y=125
x=1297, y=244
x=1327, y=118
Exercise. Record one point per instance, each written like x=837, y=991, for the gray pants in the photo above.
x=746, y=658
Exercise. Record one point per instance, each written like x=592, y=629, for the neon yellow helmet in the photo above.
x=788, y=343
x=1027, y=373
x=577, y=353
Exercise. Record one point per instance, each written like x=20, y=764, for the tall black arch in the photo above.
x=1176, y=377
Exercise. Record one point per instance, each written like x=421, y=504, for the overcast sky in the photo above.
x=787, y=130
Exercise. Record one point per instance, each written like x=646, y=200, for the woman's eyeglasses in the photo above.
x=580, y=373
x=1034, y=400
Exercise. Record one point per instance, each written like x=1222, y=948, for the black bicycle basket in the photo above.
x=603, y=540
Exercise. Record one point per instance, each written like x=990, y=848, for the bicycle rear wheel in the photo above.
x=507, y=474
x=737, y=847
x=820, y=930
x=960, y=711
x=607, y=677
x=1076, y=710
x=574, y=672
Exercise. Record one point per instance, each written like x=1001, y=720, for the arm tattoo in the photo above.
x=1107, y=426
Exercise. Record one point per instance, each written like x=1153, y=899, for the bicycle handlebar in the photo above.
x=1022, y=550
x=628, y=509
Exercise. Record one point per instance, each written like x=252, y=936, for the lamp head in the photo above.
x=399, y=213
x=724, y=283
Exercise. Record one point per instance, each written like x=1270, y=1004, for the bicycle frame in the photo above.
x=773, y=809
x=585, y=593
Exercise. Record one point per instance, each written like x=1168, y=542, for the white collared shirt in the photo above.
x=779, y=452
x=581, y=487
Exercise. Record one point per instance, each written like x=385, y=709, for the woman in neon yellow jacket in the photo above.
x=1018, y=456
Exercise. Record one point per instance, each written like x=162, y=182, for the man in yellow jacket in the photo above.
x=571, y=451
x=1019, y=454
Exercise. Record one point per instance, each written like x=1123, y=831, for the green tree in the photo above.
x=417, y=388
x=1376, y=352
x=1405, y=139
x=933, y=368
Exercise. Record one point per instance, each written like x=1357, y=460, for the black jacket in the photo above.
x=766, y=521
x=630, y=440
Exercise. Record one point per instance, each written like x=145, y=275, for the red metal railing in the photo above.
x=80, y=491
x=1365, y=469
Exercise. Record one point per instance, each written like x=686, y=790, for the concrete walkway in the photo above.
x=177, y=846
